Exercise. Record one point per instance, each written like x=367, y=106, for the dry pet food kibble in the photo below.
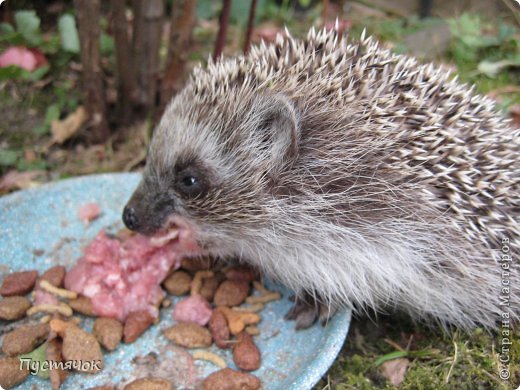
x=136, y=323
x=108, y=332
x=24, y=339
x=228, y=379
x=13, y=308
x=18, y=283
x=246, y=354
x=188, y=335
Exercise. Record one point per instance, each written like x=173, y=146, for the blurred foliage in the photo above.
x=395, y=30
x=482, y=49
x=60, y=47
x=69, y=33
x=281, y=11
x=485, y=53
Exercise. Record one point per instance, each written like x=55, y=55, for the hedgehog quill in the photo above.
x=354, y=176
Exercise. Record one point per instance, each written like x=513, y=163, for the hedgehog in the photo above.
x=356, y=177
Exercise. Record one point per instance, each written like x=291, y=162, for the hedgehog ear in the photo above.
x=278, y=128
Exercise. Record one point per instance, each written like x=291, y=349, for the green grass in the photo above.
x=438, y=360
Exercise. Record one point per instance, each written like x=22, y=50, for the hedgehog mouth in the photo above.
x=178, y=233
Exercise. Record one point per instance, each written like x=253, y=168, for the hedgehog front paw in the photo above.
x=306, y=310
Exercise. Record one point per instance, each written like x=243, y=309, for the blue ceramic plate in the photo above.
x=39, y=228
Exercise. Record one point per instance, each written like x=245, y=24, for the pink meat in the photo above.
x=121, y=277
x=89, y=212
x=42, y=297
x=193, y=309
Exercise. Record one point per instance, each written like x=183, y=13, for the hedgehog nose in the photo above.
x=130, y=218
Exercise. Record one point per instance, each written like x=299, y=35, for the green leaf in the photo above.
x=6, y=28
x=41, y=129
x=491, y=69
x=390, y=356
x=304, y=3
x=28, y=24
x=8, y=157
x=36, y=74
x=106, y=44
x=68, y=33
x=13, y=38
x=51, y=45
x=24, y=165
x=11, y=72
x=506, y=32
x=425, y=353
x=38, y=355
x=52, y=113
x=239, y=12
x=206, y=9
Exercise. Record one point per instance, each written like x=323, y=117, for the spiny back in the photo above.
x=415, y=120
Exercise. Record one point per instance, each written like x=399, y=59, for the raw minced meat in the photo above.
x=122, y=276
x=193, y=309
x=89, y=212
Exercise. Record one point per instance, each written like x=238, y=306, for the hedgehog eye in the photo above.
x=189, y=181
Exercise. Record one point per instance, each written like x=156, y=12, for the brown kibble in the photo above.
x=188, y=335
x=79, y=345
x=18, y=283
x=149, y=384
x=13, y=308
x=178, y=283
x=246, y=354
x=24, y=339
x=53, y=353
x=209, y=287
x=196, y=264
x=10, y=373
x=102, y=388
x=228, y=379
x=196, y=283
x=54, y=275
x=219, y=329
x=135, y=325
x=238, y=320
x=231, y=293
x=241, y=273
x=82, y=305
x=108, y=332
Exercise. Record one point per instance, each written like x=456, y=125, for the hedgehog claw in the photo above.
x=307, y=310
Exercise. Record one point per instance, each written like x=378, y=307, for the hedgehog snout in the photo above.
x=147, y=210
